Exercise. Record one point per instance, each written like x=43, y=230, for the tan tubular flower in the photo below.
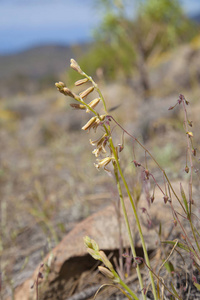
x=74, y=65
x=89, y=124
x=98, y=122
x=97, y=151
x=81, y=81
x=99, y=141
x=86, y=92
x=100, y=144
x=93, y=104
x=77, y=106
x=64, y=90
x=106, y=272
x=93, y=253
x=103, y=162
x=94, y=122
x=105, y=260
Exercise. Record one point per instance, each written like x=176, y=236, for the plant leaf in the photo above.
x=184, y=198
x=197, y=285
x=180, y=245
x=174, y=290
x=169, y=266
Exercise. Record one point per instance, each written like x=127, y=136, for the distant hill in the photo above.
x=196, y=17
x=42, y=63
x=40, y=60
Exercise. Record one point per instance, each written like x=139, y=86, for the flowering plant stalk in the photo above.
x=107, y=153
x=106, y=141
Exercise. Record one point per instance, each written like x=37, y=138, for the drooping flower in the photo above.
x=94, y=122
x=100, y=144
x=103, y=162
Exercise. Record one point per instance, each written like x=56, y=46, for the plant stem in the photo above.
x=136, y=217
x=98, y=91
x=128, y=289
x=128, y=228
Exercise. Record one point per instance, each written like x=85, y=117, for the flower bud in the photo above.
x=87, y=241
x=67, y=92
x=81, y=81
x=189, y=133
x=106, y=272
x=74, y=65
x=138, y=260
x=93, y=104
x=165, y=198
x=194, y=151
x=89, y=124
x=86, y=92
x=95, y=246
x=152, y=198
x=105, y=260
x=60, y=85
x=147, y=174
x=187, y=169
x=77, y=106
x=94, y=254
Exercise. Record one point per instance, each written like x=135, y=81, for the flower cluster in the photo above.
x=95, y=121
x=93, y=250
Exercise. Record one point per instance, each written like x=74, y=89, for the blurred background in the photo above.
x=141, y=53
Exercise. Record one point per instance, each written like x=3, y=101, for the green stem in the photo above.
x=121, y=282
x=136, y=218
x=128, y=289
x=194, y=235
x=98, y=91
x=128, y=228
x=80, y=100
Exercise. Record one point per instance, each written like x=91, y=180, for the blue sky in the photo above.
x=26, y=23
